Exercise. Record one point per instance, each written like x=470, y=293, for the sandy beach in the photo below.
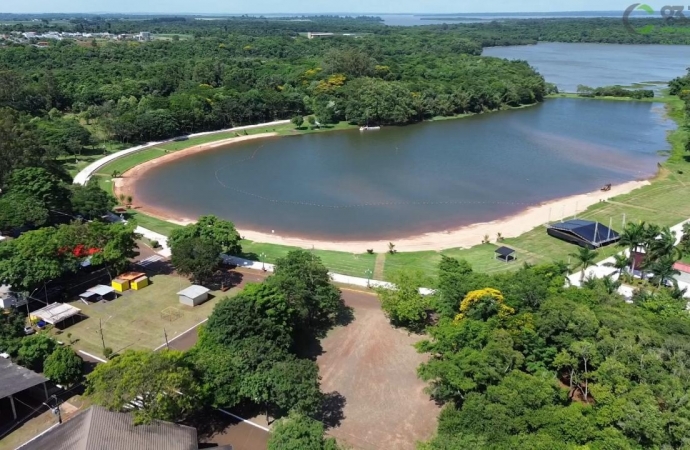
x=462, y=237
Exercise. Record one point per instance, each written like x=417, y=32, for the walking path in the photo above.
x=83, y=176
x=379, y=265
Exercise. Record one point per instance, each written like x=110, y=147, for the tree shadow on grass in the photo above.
x=224, y=280
x=332, y=407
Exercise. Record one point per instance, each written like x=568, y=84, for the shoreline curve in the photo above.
x=461, y=237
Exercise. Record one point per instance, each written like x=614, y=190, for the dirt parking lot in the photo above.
x=373, y=366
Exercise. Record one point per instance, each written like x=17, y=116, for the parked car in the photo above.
x=29, y=330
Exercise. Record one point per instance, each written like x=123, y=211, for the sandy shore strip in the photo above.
x=463, y=237
x=126, y=184
x=467, y=236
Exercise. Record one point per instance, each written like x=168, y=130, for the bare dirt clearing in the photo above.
x=373, y=366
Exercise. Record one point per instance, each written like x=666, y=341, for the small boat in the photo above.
x=606, y=188
x=368, y=128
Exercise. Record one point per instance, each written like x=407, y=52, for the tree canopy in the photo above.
x=160, y=382
x=63, y=366
x=525, y=362
x=298, y=432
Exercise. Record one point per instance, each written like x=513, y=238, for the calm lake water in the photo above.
x=408, y=20
x=568, y=65
x=402, y=181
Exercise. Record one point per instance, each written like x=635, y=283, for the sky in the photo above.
x=306, y=6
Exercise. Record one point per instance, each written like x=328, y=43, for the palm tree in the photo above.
x=610, y=284
x=632, y=236
x=620, y=262
x=663, y=270
x=664, y=245
x=584, y=258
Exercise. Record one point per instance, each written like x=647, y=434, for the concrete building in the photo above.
x=193, y=295
x=311, y=35
x=144, y=36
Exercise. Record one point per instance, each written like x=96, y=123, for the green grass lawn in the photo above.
x=353, y=264
x=159, y=226
x=135, y=320
x=125, y=163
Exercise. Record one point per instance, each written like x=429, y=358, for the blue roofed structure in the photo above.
x=584, y=233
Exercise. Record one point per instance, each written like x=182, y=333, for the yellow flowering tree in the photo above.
x=486, y=302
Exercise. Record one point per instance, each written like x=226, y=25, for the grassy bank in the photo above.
x=663, y=98
x=665, y=202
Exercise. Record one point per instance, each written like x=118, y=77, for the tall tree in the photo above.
x=211, y=229
x=34, y=350
x=403, y=304
x=18, y=210
x=158, y=381
x=90, y=201
x=304, y=280
x=40, y=184
x=196, y=257
x=63, y=366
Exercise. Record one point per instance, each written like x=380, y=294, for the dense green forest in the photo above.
x=73, y=95
x=523, y=360
x=143, y=91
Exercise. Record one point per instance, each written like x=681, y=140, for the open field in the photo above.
x=371, y=367
x=135, y=320
x=664, y=202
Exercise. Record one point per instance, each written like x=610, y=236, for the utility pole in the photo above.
x=100, y=331
x=55, y=409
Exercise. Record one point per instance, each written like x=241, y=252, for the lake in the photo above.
x=408, y=20
x=595, y=65
x=402, y=181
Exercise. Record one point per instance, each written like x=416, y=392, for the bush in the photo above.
x=154, y=243
x=108, y=352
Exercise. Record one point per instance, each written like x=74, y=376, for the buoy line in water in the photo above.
x=352, y=205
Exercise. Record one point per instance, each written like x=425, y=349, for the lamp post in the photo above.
x=262, y=257
x=368, y=273
x=55, y=409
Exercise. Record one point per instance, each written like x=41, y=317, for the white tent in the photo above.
x=56, y=312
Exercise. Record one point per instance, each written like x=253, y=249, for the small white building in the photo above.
x=313, y=35
x=193, y=295
x=144, y=36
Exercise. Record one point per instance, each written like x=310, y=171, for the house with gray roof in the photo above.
x=99, y=429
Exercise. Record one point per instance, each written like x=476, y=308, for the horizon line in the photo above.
x=318, y=13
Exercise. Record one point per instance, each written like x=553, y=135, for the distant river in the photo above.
x=568, y=65
x=402, y=181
